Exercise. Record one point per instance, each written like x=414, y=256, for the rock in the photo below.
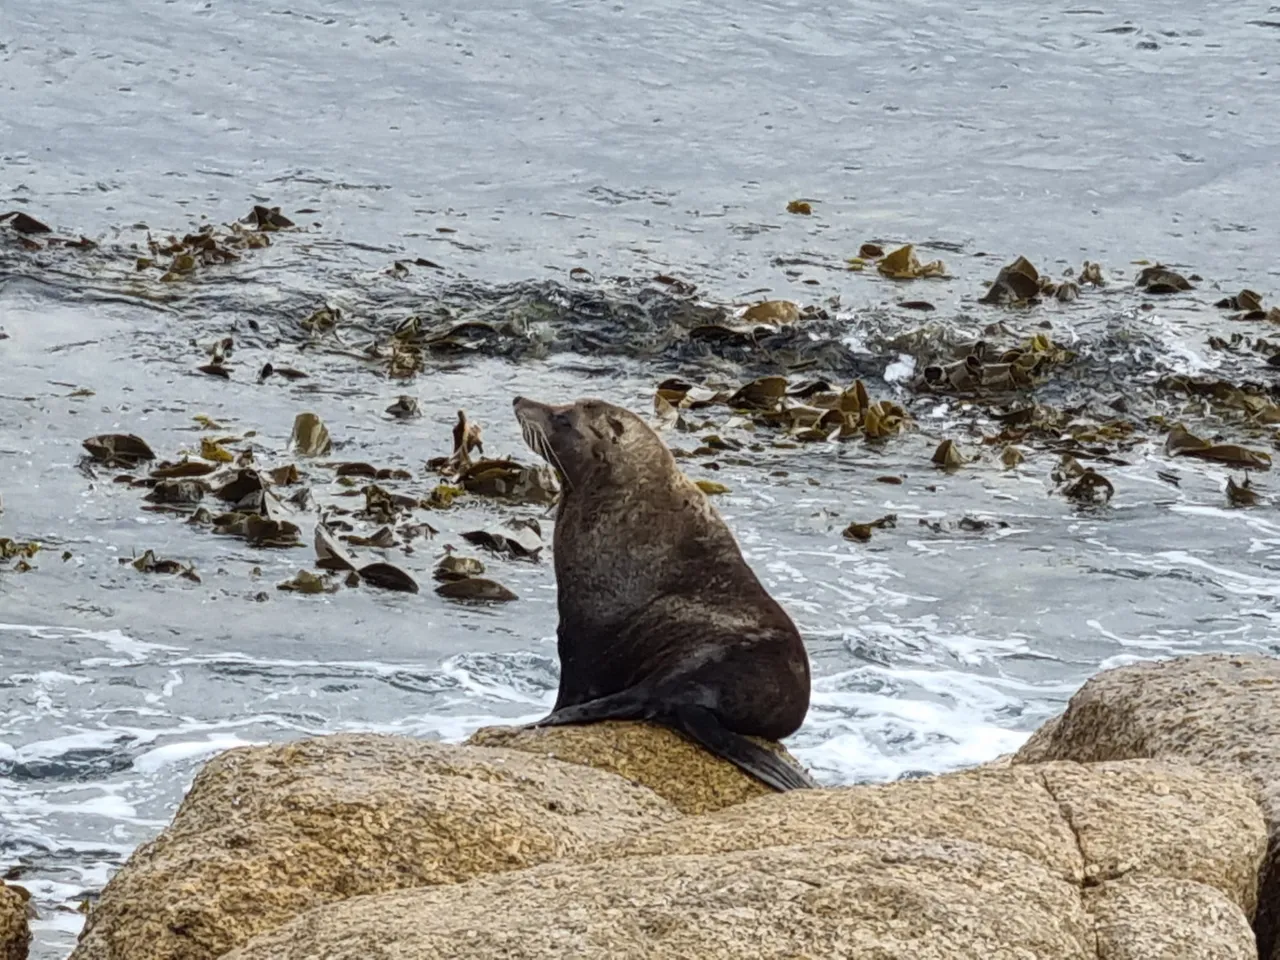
x=1140, y=818
x=1005, y=862
x=918, y=899
x=268, y=832
x=1003, y=808
x=15, y=934
x=1162, y=919
x=1083, y=823
x=355, y=846
x=1221, y=712
x=676, y=769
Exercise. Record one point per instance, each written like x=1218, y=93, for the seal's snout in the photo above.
x=517, y=401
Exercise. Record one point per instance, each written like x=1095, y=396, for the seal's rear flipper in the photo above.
x=702, y=726
x=698, y=724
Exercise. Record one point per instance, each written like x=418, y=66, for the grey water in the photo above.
x=516, y=141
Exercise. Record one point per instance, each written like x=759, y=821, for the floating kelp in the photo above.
x=1160, y=279
x=1021, y=284
x=510, y=480
x=321, y=320
x=456, y=567
x=965, y=524
x=388, y=577
x=405, y=361
x=765, y=393
x=861, y=532
x=1248, y=301
x=240, y=485
x=1066, y=291
x=183, y=469
x=466, y=436
x=1082, y=484
x=308, y=583
x=948, y=456
x=982, y=370
x=208, y=246
x=902, y=264
x=711, y=487
x=214, y=451
x=383, y=506
x=802, y=207
x=772, y=312
x=476, y=590
x=505, y=543
x=811, y=412
x=1241, y=494
x=215, y=369
x=1011, y=456
x=267, y=219
x=330, y=554
x=1016, y=283
x=405, y=408
x=310, y=437
x=257, y=530
x=150, y=563
x=119, y=450
x=284, y=476
x=289, y=373
x=442, y=496
x=1181, y=442
x=177, y=492
x=354, y=469
x=24, y=223
x=1252, y=401
x=1091, y=274
x=21, y=550
x=383, y=538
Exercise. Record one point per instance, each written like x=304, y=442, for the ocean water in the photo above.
x=510, y=142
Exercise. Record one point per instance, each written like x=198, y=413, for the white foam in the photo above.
x=170, y=754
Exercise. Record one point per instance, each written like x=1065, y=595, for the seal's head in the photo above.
x=590, y=442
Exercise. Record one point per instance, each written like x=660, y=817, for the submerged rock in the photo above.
x=15, y=933
x=269, y=832
x=676, y=769
x=1221, y=712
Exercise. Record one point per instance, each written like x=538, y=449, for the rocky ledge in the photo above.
x=15, y=934
x=1135, y=825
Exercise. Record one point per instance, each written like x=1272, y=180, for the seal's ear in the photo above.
x=617, y=425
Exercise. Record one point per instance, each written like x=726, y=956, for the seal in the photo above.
x=660, y=617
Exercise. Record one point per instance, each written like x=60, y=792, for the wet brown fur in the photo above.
x=655, y=598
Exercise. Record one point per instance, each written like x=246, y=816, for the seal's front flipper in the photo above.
x=702, y=726
x=626, y=705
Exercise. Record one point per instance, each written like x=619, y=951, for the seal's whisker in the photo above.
x=544, y=448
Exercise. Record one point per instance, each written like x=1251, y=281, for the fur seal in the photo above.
x=661, y=618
